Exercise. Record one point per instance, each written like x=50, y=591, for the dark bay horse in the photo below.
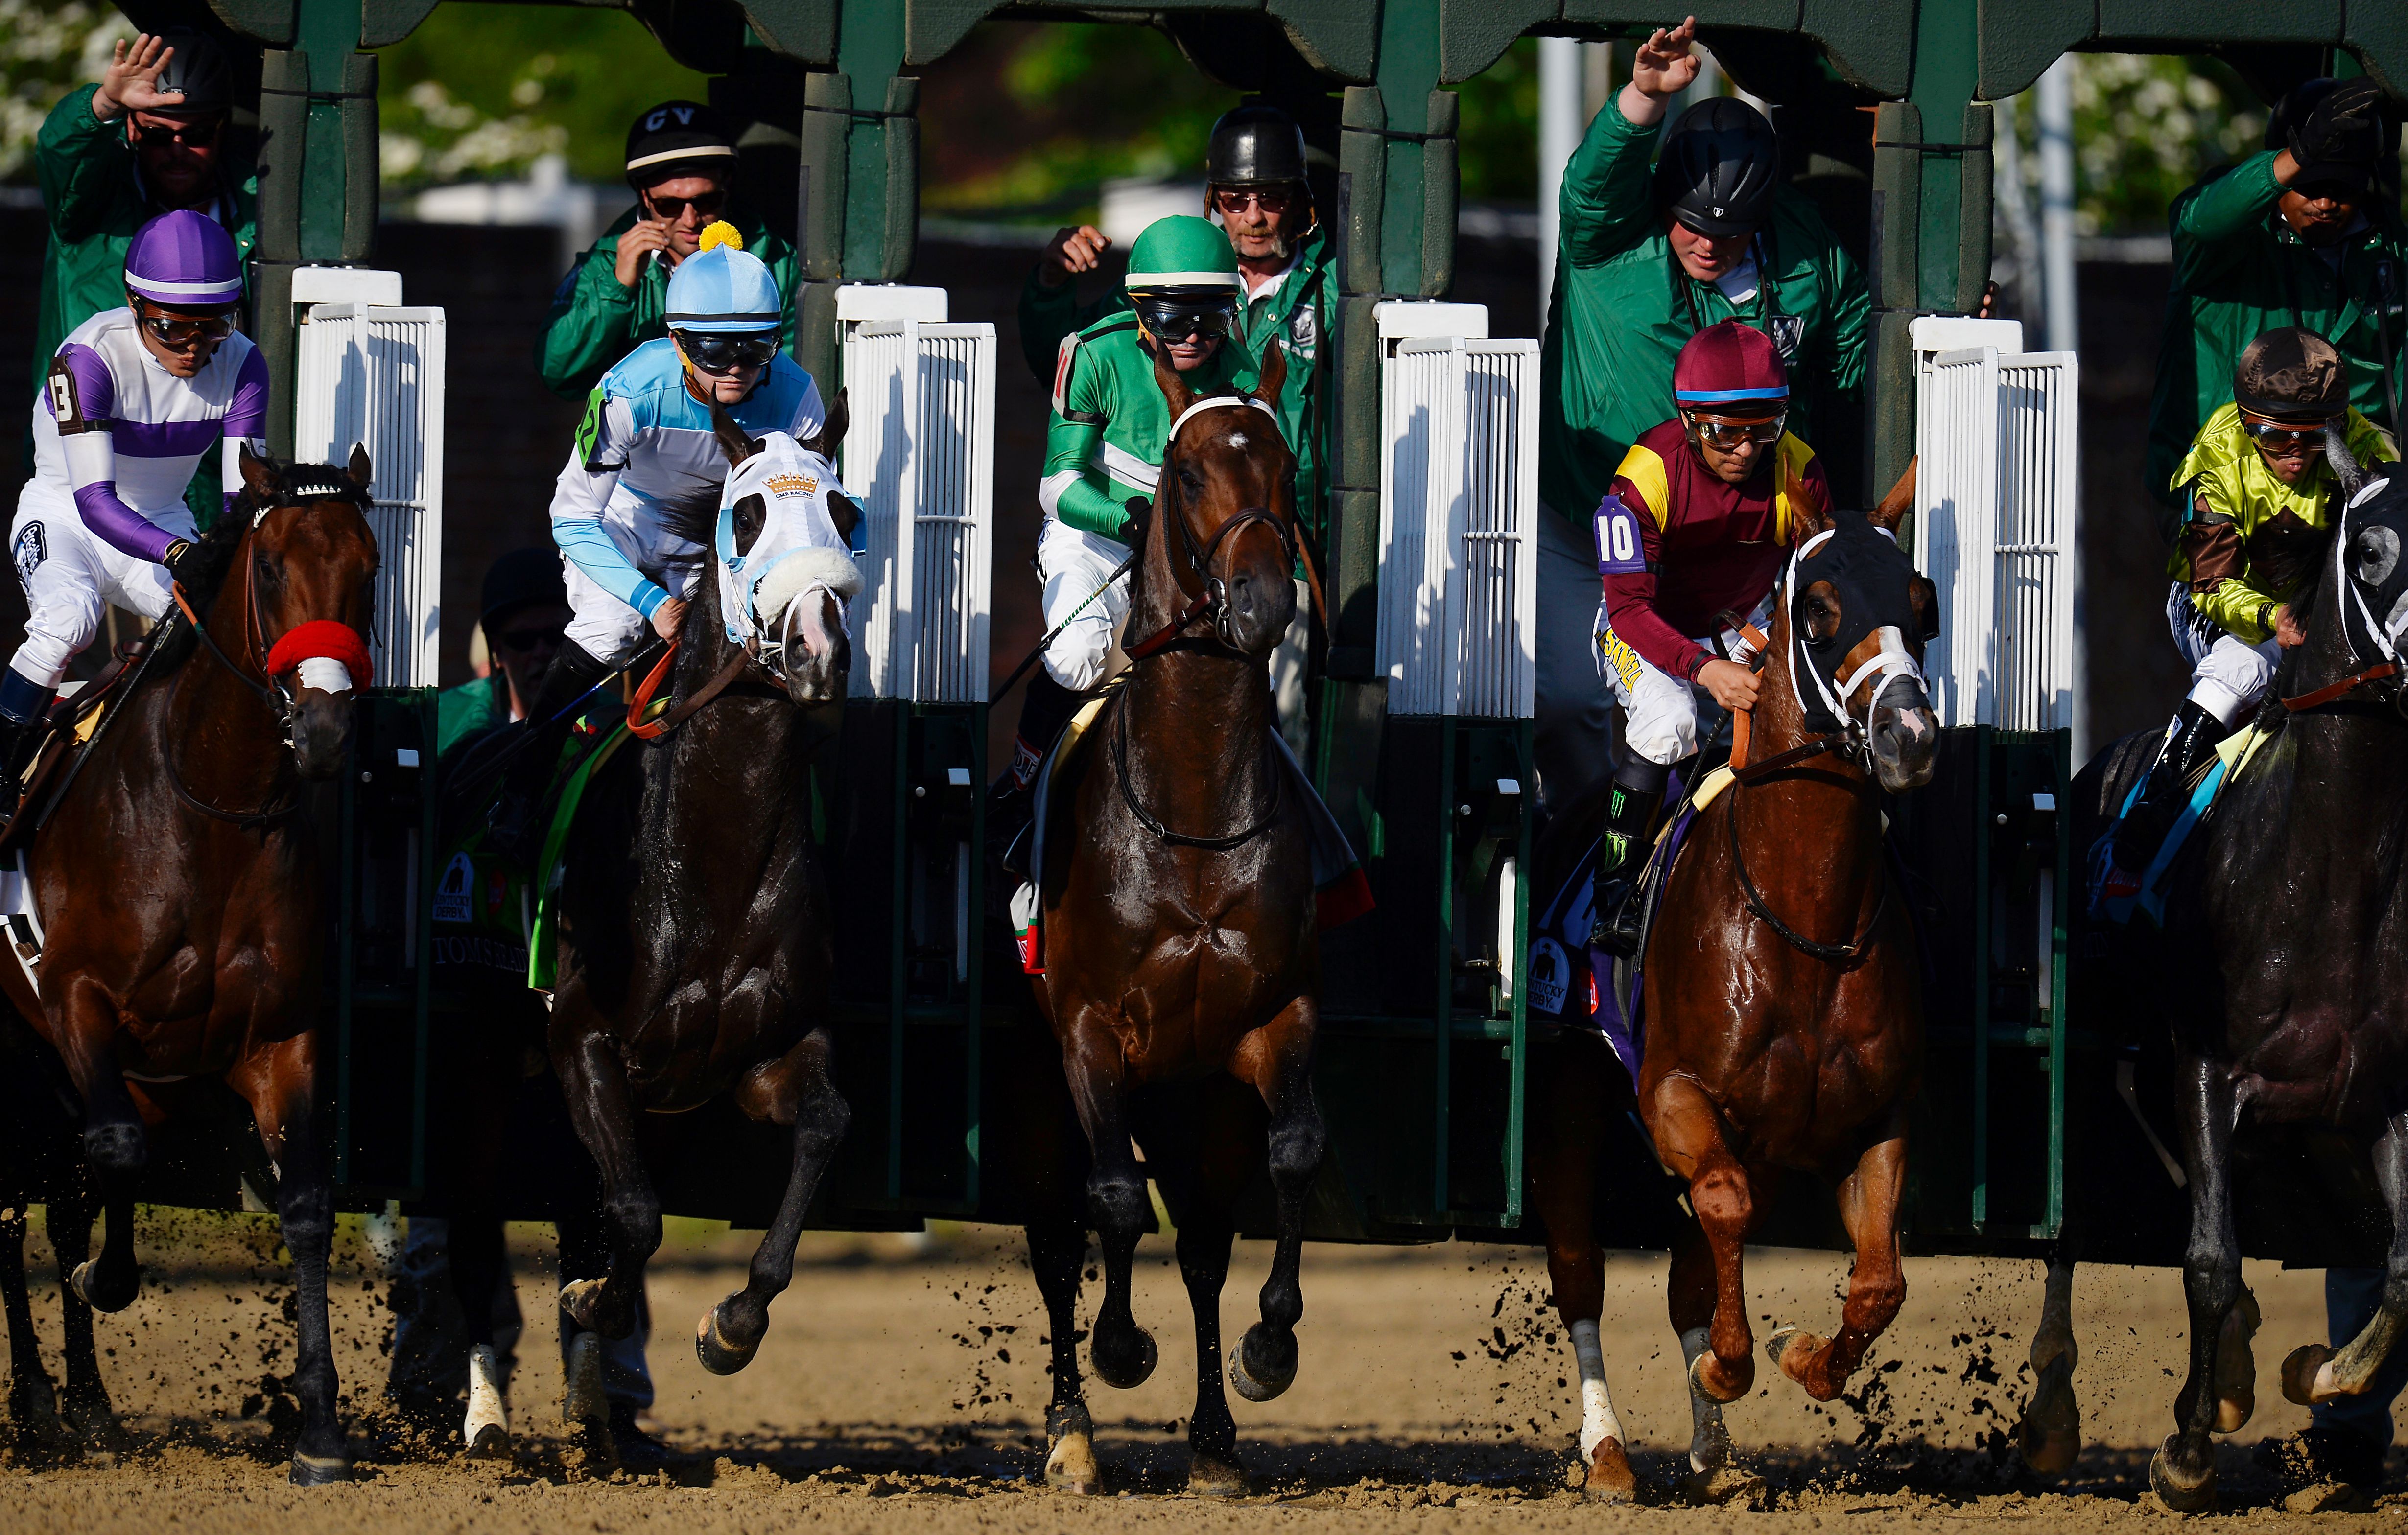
x=1783, y=1001
x=179, y=888
x=2282, y=959
x=42, y=1162
x=694, y=946
x=1183, y=963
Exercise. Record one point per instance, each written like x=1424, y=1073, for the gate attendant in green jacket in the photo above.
x=1104, y=450
x=1257, y=191
x=148, y=138
x=1648, y=257
x=681, y=164
x=2294, y=236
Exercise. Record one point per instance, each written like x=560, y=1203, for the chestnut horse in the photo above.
x=1782, y=997
x=1183, y=963
x=695, y=946
x=180, y=889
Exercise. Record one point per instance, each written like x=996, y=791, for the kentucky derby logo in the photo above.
x=30, y=552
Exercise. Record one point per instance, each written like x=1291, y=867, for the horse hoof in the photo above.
x=2048, y=1449
x=1783, y=1349
x=1209, y=1475
x=1702, y=1383
x=86, y=1282
x=579, y=1299
x=2307, y=1375
x=1725, y=1483
x=1071, y=1466
x=1610, y=1477
x=1253, y=1381
x=718, y=1355
x=1124, y=1366
x=2178, y=1492
x=320, y=1471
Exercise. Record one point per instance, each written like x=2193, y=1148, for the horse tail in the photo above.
x=2345, y=464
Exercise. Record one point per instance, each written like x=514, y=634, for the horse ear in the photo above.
x=1895, y=505
x=1274, y=374
x=1174, y=389
x=733, y=439
x=843, y=512
x=830, y=437
x=258, y=473
x=357, y=470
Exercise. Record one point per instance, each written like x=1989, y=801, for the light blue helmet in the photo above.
x=724, y=288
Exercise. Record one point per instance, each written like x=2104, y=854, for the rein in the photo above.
x=264, y=815
x=1837, y=953
x=2333, y=690
x=686, y=708
x=1146, y=819
x=1744, y=720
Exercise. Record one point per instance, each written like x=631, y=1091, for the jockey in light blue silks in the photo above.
x=642, y=485
x=134, y=397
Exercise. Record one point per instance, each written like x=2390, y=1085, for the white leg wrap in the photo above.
x=1597, y=1422
x=487, y=1408
x=1710, y=1444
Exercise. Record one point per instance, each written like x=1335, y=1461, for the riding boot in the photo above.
x=2189, y=739
x=1621, y=854
x=513, y=830
x=1012, y=799
x=23, y=706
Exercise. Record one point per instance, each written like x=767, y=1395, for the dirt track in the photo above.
x=904, y=1390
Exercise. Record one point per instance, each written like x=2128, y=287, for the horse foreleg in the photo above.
x=68, y=1219
x=1707, y=1294
x=1056, y=1251
x=115, y=1144
x=2315, y=1372
x=793, y=1090
x=33, y=1401
x=2050, y=1434
x=2183, y=1471
x=283, y=1089
x=1876, y=1284
x=475, y=1247
x=1123, y=1352
x=594, y=1084
x=1278, y=1060
x=1574, y=1103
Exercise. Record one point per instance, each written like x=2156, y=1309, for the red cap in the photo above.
x=1731, y=364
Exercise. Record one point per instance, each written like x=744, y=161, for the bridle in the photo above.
x=2388, y=666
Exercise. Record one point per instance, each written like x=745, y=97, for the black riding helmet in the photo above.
x=1255, y=147
x=1718, y=168
x=198, y=71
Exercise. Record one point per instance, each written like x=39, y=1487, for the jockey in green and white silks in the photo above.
x=1104, y=448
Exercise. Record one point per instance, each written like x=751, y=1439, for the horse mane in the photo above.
x=205, y=569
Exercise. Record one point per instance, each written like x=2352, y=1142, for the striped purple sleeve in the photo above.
x=91, y=456
x=120, y=526
x=247, y=411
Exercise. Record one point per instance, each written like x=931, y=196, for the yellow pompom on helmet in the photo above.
x=718, y=232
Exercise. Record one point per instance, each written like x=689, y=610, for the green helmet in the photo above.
x=1182, y=254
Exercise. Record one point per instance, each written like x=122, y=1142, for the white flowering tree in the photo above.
x=47, y=48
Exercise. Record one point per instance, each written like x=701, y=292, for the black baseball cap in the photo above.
x=521, y=578
x=677, y=139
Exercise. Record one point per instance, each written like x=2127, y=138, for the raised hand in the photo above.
x=1666, y=63
x=1070, y=252
x=131, y=79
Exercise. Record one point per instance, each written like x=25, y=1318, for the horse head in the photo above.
x=1858, y=617
x=783, y=557
x=1225, y=470
x=2368, y=581
x=307, y=564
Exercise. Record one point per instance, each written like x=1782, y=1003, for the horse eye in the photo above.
x=2376, y=552
x=1190, y=481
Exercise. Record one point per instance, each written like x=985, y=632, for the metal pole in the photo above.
x=2015, y=203
x=2053, y=100
x=1560, y=119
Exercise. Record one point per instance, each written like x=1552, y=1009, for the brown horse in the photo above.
x=1182, y=962
x=180, y=889
x=1782, y=997
x=694, y=946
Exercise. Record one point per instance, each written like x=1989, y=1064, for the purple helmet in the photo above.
x=185, y=260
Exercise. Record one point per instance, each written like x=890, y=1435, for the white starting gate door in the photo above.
x=372, y=373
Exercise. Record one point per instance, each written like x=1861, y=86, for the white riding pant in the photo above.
x=1661, y=713
x=1072, y=565
x=2228, y=674
x=71, y=578
x=608, y=629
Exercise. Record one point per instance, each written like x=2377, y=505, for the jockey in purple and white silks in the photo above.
x=134, y=396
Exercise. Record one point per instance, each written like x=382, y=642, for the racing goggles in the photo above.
x=1183, y=319
x=183, y=330
x=2282, y=436
x=1727, y=436
x=714, y=352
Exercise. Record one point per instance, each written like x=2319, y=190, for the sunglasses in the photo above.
x=177, y=331
x=518, y=641
x=1273, y=203
x=157, y=133
x=2276, y=436
x=718, y=353
x=668, y=210
x=1730, y=435
x=1183, y=322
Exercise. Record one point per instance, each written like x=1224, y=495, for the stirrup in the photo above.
x=1615, y=926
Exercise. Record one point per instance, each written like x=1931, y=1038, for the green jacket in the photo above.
x=595, y=322
x=2239, y=272
x=94, y=197
x=1110, y=423
x=2250, y=541
x=471, y=708
x=1299, y=312
x=1623, y=309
